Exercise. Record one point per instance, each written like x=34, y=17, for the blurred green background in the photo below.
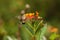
x=48, y=9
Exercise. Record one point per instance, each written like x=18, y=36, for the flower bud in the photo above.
x=22, y=12
x=27, y=6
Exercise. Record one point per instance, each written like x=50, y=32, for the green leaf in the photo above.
x=25, y=33
x=29, y=24
x=42, y=32
x=38, y=26
x=53, y=36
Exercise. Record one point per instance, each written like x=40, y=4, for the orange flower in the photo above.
x=29, y=15
x=37, y=14
x=53, y=29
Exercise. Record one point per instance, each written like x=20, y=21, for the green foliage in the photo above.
x=53, y=36
x=33, y=31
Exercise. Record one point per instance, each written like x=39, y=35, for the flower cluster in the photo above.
x=32, y=16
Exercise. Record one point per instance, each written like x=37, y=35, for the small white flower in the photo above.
x=23, y=17
x=23, y=11
x=39, y=17
x=27, y=6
